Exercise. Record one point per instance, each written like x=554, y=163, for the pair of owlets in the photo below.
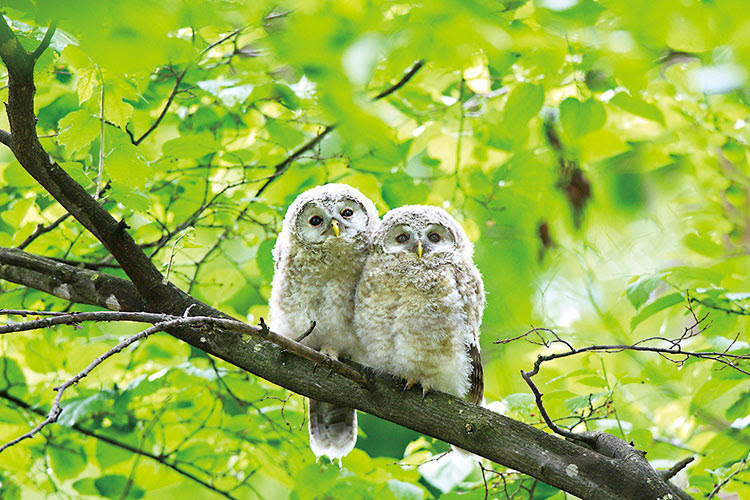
x=401, y=295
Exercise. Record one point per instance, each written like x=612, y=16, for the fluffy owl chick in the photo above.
x=419, y=303
x=319, y=255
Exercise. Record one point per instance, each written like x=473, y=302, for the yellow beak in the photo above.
x=335, y=226
x=419, y=248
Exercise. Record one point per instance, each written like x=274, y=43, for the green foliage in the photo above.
x=647, y=101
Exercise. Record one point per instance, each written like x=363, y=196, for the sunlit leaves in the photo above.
x=580, y=118
x=77, y=130
x=67, y=457
x=190, y=146
x=644, y=101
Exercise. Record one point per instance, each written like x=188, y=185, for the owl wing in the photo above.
x=471, y=288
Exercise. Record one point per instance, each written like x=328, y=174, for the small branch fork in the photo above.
x=673, y=352
x=162, y=322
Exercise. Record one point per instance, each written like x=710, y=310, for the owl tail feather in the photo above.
x=333, y=429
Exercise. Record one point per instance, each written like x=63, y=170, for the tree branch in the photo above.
x=68, y=282
x=35, y=160
x=45, y=41
x=167, y=322
x=6, y=139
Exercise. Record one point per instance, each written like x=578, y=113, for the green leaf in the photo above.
x=76, y=171
x=78, y=410
x=655, y=306
x=108, y=455
x=637, y=107
x=282, y=133
x=113, y=486
x=702, y=245
x=639, y=292
x=581, y=118
x=195, y=452
x=740, y=408
x=77, y=130
x=134, y=199
x=67, y=458
x=524, y=102
x=117, y=110
x=88, y=82
x=191, y=146
x=11, y=377
x=127, y=166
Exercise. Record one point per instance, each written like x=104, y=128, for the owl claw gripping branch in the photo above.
x=402, y=296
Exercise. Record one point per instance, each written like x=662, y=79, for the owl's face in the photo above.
x=427, y=233
x=332, y=211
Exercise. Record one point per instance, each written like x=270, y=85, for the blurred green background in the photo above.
x=594, y=151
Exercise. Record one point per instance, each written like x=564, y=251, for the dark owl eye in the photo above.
x=347, y=212
x=316, y=220
x=434, y=237
x=402, y=238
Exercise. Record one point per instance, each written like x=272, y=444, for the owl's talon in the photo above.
x=315, y=367
x=425, y=390
x=409, y=384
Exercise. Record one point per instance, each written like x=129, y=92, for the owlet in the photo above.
x=419, y=303
x=319, y=255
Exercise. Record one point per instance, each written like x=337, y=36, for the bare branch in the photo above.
x=42, y=229
x=676, y=468
x=168, y=321
x=403, y=81
x=6, y=138
x=740, y=466
x=175, y=90
x=55, y=411
x=284, y=165
x=69, y=282
x=178, y=81
x=45, y=41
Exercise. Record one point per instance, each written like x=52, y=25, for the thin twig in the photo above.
x=284, y=165
x=403, y=81
x=100, y=177
x=740, y=466
x=230, y=325
x=178, y=81
x=160, y=459
x=42, y=229
x=56, y=409
x=668, y=474
x=673, y=353
x=172, y=95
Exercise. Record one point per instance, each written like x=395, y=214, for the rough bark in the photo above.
x=572, y=468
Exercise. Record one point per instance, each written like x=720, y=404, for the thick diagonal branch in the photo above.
x=35, y=160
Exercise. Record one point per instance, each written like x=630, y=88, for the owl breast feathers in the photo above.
x=419, y=303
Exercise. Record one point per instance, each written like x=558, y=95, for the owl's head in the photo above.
x=428, y=233
x=331, y=211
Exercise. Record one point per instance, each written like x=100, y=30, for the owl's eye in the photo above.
x=434, y=237
x=347, y=212
x=402, y=238
x=316, y=220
